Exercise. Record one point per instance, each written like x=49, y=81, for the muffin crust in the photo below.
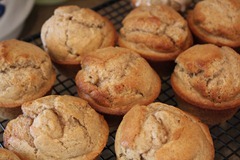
x=157, y=33
x=216, y=21
x=158, y=130
x=26, y=73
x=57, y=128
x=7, y=155
x=208, y=76
x=73, y=31
x=114, y=79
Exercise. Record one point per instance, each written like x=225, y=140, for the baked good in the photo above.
x=113, y=79
x=206, y=82
x=178, y=5
x=26, y=73
x=72, y=32
x=161, y=131
x=57, y=127
x=216, y=22
x=158, y=33
x=7, y=155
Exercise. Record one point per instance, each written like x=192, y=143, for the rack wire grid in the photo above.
x=226, y=137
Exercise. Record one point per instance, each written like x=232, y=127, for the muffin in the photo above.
x=178, y=5
x=113, y=79
x=216, y=22
x=206, y=82
x=159, y=131
x=158, y=33
x=57, y=128
x=72, y=32
x=26, y=73
x=8, y=155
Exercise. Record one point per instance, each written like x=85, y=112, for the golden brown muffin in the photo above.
x=178, y=5
x=7, y=155
x=72, y=32
x=57, y=128
x=159, y=131
x=157, y=33
x=113, y=79
x=216, y=21
x=206, y=82
x=26, y=73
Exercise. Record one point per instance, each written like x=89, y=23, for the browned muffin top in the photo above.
x=26, y=73
x=156, y=32
x=160, y=131
x=217, y=22
x=57, y=128
x=113, y=79
x=208, y=76
x=73, y=31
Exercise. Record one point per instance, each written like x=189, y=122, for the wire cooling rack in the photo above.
x=226, y=136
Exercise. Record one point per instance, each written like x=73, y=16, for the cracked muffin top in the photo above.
x=7, y=155
x=72, y=32
x=160, y=131
x=158, y=33
x=26, y=73
x=57, y=128
x=216, y=21
x=113, y=79
x=208, y=76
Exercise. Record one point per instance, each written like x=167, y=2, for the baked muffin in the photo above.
x=26, y=73
x=158, y=33
x=206, y=82
x=178, y=5
x=7, y=155
x=72, y=32
x=160, y=131
x=113, y=79
x=57, y=128
x=216, y=22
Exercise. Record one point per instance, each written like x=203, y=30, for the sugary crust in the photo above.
x=8, y=155
x=26, y=73
x=158, y=130
x=208, y=76
x=114, y=79
x=157, y=32
x=57, y=128
x=216, y=21
x=72, y=32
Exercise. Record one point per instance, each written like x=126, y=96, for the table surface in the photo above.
x=40, y=13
